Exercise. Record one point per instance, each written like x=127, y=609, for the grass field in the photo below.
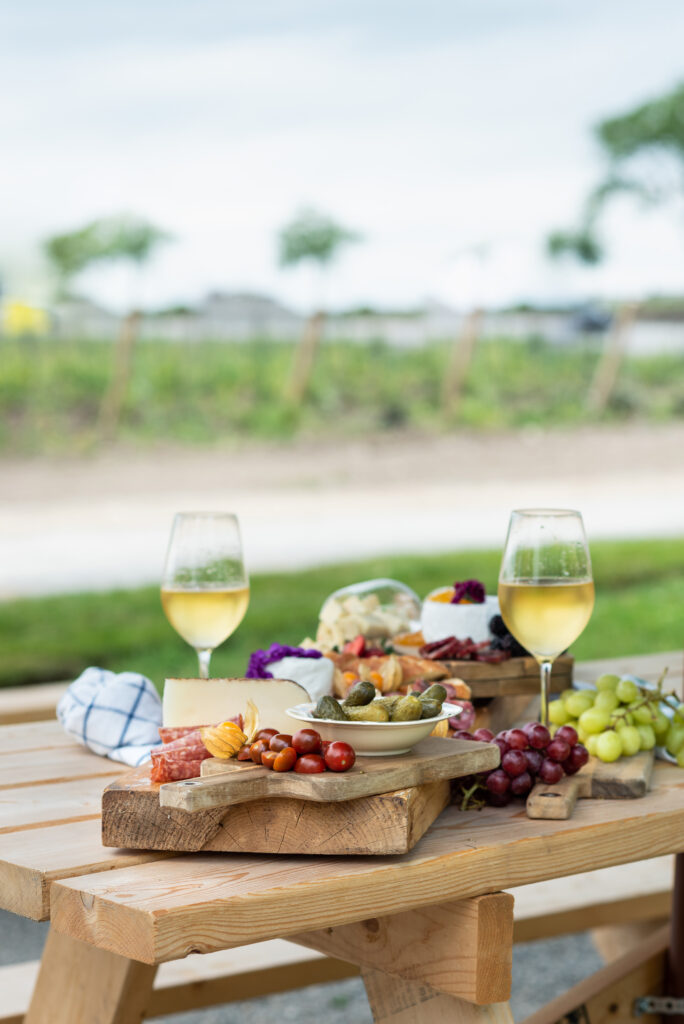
x=51, y=391
x=639, y=608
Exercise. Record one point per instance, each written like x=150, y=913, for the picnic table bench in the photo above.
x=432, y=931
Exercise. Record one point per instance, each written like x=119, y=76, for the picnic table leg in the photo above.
x=397, y=1001
x=78, y=982
x=675, y=954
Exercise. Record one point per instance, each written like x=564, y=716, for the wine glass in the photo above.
x=205, y=588
x=546, y=590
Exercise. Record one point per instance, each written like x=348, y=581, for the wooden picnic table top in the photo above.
x=156, y=907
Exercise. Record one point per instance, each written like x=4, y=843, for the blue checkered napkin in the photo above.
x=114, y=715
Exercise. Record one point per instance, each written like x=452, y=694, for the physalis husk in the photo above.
x=251, y=721
x=441, y=729
x=223, y=740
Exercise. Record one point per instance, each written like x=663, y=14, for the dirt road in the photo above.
x=103, y=522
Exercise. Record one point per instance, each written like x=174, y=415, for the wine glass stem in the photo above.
x=204, y=657
x=545, y=672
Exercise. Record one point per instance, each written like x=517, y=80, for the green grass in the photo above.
x=208, y=392
x=639, y=602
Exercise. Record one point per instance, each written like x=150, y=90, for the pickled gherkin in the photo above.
x=360, y=694
x=368, y=713
x=431, y=708
x=388, y=702
x=328, y=707
x=408, y=709
x=435, y=692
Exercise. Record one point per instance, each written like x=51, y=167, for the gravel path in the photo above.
x=541, y=970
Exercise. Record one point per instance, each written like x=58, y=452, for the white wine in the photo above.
x=205, y=618
x=545, y=616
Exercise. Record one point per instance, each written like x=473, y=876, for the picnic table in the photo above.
x=431, y=931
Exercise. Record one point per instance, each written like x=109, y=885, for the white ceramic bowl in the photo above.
x=373, y=738
x=439, y=619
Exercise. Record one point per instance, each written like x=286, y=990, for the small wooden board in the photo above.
x=225, y=783
x=626, y=779
x=389, y=823
x=507, y=678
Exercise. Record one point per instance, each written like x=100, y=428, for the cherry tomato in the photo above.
x=244, y=754
x=280, y=741
x=268, y=758
x=266, y=734
x=285, y=759
x=306, y=741
x=310, y=764
x=257, y=749
x=324, y=746
x=339, y=757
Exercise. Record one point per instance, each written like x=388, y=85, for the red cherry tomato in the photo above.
x=244, y=754
x=257, y=749
x=339, y=757
x=280, y=741
x=307, y=741
x=310, y=764
x=285, y=760
x=268, y=758
x=266, y=734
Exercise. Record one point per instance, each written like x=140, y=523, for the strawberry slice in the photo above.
x=357, y=646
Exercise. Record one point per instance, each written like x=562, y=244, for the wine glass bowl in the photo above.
x=546, y=589
x=205, y=588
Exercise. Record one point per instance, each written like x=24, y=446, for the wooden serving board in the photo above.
x=515, y=676
x=625, y=779
x=226, y=783
x=381, y=823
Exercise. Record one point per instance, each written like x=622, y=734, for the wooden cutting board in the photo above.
x=226, y=783
x=379, y=823
x=625, y=779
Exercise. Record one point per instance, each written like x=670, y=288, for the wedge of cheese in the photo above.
x=209, y=701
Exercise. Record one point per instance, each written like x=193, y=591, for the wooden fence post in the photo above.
x=305, y=357
x=608, y=369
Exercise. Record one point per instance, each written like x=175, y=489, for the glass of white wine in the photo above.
x=546, y=589
x=205, y=588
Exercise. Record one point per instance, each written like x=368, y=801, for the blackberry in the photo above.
x=497, y=626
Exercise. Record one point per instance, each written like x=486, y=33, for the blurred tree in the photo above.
x=107, y=240
x=315, y=238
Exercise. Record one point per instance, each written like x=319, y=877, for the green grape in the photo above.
x=582, y=734
x=557, y=713
x=606, y=700
x=608, y=746
x=591, y=742
x=627, y=691
x=679, y=714
x=594, y=720
x=674, y=741
x=644, y=715
x=577, y=702
x=619, y=719
x=630, y=739
x=680, y=758
x=648, y=739
x=607, y=682
x=661, y=726
x=567, y=693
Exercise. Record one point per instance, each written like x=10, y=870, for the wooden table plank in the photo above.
x=648, y=666
x=51, y=804
x=212, y=902
x=34, y=703
x=33, y=736
x=32, y=859
x=31, y=767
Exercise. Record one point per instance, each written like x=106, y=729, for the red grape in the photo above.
x=550, y=772
x=463, y=735
x=577, y=758
x=502, y=745
x=516, y=739
x=567, y=733
x=522, y=784
x=534, y=760
x=499, y=799
x=497, y=781
x=570, y=769
x=539, y=736
x=514, y=763
x=483, y=735
x=558, y=750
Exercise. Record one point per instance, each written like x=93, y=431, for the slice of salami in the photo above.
x=169, y=734
x=190, y=739
x=190, y=752
x=166, y=770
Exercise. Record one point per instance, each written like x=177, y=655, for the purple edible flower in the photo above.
x=258, y=660
x=470, y=590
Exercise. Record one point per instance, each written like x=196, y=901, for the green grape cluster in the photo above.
x=617, y=718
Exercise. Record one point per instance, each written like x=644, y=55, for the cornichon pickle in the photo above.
x=328, y=707
x=368, y=713
x=408, y=709
x=388, y=702
x=360, y=694
x=431, y=708
x=435, y=692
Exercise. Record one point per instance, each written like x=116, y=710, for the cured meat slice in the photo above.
x=170, y=734
x=164, y=770
x=190, y=752
x=190, y=739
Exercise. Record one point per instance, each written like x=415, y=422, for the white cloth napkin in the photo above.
x=114, y=715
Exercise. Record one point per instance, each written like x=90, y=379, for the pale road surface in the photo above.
x=86, y=524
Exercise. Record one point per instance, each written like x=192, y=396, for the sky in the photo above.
x=453, y=135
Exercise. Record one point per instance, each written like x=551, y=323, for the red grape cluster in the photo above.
x=529, y=755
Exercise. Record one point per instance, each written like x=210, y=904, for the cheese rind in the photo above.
x=208, y=701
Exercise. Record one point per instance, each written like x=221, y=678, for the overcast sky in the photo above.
x=430, y=127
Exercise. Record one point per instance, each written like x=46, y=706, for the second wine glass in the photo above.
x=546, y=589
x=205, y=588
